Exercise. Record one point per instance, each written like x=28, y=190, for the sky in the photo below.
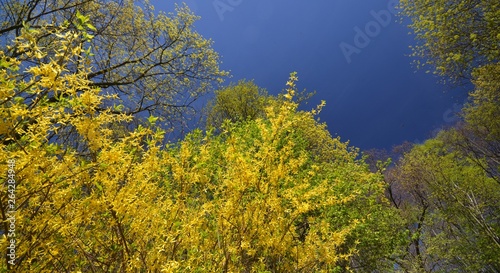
x=353, y=53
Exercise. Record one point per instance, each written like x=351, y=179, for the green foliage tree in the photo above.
x=452, y=211
x=484, y=108
x=447, y=189
x=455, y=36
x=245, y=101
x=479, y=135
x=239, y=102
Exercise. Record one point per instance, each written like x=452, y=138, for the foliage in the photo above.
x=155, y=63
x=484, y=108
x=448, y=188
x=239, y=102
x=453, y=211
x=70, y=206
x=252, y=198
x=455, y=36
x=479, y=135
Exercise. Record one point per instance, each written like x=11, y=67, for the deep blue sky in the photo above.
x=376, y=101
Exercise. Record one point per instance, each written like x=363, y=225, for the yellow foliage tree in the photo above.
x=74, y=210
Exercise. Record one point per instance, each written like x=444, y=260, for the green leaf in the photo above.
x=18, y=100
x=152, y=120
x=118, y=108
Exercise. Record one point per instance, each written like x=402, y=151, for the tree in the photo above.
x=239, y=102
x=73, y=212
x=484, y=107
x=479, y=136
x=155, y=64
x=245, y=101
x=265, y=203
x=375, y=239
x=455, y=36
x=461, y=40
x=447, y=188
x=452, y=211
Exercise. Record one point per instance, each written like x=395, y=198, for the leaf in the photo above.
x=152, y=120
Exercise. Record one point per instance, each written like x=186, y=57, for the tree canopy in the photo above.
x=454, y=37
x=447, y=188
x=237, y=102
x=451, y=205
x=155, y=63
